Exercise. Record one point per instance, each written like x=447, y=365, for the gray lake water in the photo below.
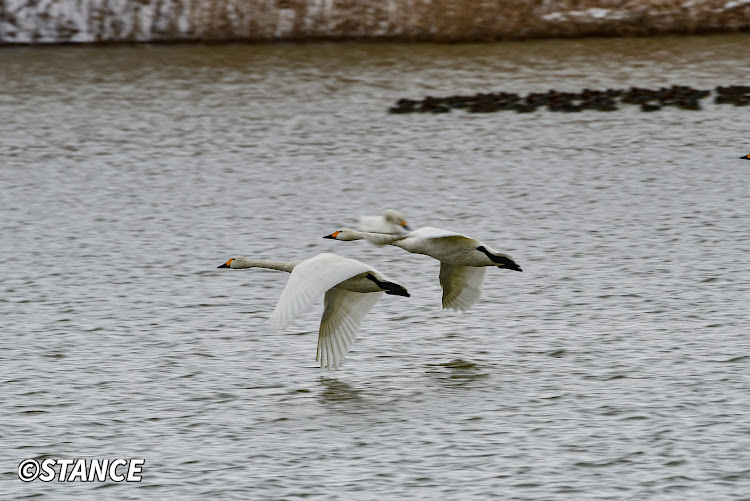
x=616, y=366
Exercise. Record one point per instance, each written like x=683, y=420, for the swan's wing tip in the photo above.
x=455, y=308
x=342, y=316
x=462, y=286
x=277, y=322
x=456, y=305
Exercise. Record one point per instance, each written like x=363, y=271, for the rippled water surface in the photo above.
x=616, y=366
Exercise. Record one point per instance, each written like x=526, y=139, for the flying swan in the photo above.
x=392, y=221
x=462, y=259
x=351, y=290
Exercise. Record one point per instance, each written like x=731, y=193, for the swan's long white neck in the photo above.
x=243, y=262
x=373, y=238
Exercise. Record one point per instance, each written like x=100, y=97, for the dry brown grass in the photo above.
x=453, y=21
x=408, y=20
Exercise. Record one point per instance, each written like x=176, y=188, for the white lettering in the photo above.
x=136, y=467
x=113, y=470
x=78, y=472
x=98, y=470
x=48, y=470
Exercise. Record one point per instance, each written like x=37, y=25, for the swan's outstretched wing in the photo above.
x=339, y=326
x=309, y=280
x=430, y=232
x=462, y=285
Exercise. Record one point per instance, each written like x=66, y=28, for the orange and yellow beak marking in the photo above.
x=404, y=224
x=335, y=234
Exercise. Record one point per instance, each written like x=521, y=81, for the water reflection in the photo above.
x=335, y=391
x=458, y=372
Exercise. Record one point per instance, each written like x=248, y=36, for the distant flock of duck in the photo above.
x=351, y=288
x=681, y=96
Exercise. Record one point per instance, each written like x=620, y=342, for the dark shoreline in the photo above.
x=338, y=41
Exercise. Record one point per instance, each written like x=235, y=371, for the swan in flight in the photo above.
x=351, y=290
x=392, y=221
x=462, y=259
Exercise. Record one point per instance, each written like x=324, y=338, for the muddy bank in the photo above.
x=81, y=21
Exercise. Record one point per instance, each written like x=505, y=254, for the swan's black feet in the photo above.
x=510, y=264
x=502, y=261
x=395, y=289
x=389, y=287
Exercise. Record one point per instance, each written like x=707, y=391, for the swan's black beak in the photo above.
x=227, y=264
x=405, y=226
x=333, y=235
x=746, y=157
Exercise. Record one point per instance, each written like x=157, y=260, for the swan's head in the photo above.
x=395, y=217
x=233, y=262
x=346, y=234
x=746, y=157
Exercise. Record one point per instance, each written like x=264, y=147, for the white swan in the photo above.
x=351, y=290
x=462, y=259
x=392, y=221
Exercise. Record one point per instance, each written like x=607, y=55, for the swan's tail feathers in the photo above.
x=342, y=316
x=462, y=285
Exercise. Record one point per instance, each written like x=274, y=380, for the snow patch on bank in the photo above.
x=594, y=13
x=736, y=3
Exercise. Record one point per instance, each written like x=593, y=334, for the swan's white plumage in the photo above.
x=462, y=285
x=462, y=259
x=342, y=315
x=431, y=232
x=351, y=290
x=392, y=221
x=309, y=280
